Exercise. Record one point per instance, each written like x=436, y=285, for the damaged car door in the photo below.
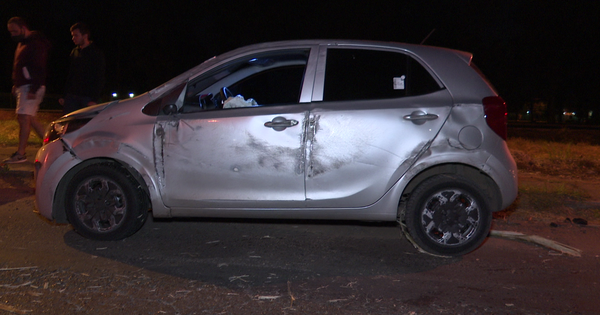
x=238, y=139
x=379, y=110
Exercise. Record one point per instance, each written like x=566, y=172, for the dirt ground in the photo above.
x=94, y=279
x=566, y=209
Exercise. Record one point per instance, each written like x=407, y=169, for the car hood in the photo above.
x=94, y=110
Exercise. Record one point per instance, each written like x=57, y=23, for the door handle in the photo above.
x=280, y=123
x=419, y=117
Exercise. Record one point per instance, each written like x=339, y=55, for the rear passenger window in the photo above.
x=359, y=74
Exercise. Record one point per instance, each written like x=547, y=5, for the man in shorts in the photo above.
x=29, y=79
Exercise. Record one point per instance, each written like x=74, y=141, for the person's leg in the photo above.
x=23, y=108
x=37, y=127
x=26, y=111
x=24, y=130
x=19, y=156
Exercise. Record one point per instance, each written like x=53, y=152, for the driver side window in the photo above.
x=272, y=78
x=276, y=86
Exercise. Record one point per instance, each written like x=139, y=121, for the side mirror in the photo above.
x=157, y=106
x=170, y=109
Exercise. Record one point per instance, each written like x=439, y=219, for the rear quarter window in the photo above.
x=360, y=74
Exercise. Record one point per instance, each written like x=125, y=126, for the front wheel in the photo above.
x=104, y=202
x=446, y=215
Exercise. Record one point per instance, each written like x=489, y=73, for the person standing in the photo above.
x=85, y=79
x=29, y=79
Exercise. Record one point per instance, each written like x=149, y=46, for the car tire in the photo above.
x=446, y=215
x=104, y=202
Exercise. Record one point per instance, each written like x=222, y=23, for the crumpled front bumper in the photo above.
x=52, y=161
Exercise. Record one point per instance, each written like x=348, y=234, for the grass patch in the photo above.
x=535, y=207
x=9, y=134
x=9, y=129
x=563, y=196
x=548, y=201
x=546, y=197
x=556, y=158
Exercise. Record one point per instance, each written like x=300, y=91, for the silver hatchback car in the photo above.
x=311, y=129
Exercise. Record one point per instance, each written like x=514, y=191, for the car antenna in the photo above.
x=426, y=37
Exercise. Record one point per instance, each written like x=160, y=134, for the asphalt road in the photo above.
x=281, y=267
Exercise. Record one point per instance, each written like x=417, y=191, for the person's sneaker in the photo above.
x=15, y=158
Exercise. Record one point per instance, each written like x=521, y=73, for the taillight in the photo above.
x=494, y=108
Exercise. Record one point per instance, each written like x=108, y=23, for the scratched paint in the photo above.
x=235, y=158
x=356, y=156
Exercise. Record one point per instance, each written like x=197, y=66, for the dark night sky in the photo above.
x=528, y=49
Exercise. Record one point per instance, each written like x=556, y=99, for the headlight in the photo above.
x=61, y=127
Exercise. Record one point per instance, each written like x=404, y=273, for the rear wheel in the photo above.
x=104, y=202
x=446, y=215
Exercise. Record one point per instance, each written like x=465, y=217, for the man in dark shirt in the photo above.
x=86, y=72
x=29, y=79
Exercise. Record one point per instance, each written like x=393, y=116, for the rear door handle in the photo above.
x=280, y=123
x=419, y=117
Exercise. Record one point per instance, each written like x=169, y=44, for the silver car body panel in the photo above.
x=215, y=159
x=122, y=133
x=346, y=145
x=228, y=164
x=485, y=150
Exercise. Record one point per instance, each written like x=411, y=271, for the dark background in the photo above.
x=534, y=52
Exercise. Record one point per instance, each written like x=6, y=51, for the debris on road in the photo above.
x=580, y=221
x=563, y=248
x=17, y=268
x=231, y=279
x=268, y=297
x=11, y=309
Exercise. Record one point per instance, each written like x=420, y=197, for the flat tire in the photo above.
x=447, y=215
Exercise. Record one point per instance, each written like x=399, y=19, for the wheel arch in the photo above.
x=487, y=186
x=59, y=208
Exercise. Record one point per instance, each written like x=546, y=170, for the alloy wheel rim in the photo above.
x=100, y=204
x=450, y=217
